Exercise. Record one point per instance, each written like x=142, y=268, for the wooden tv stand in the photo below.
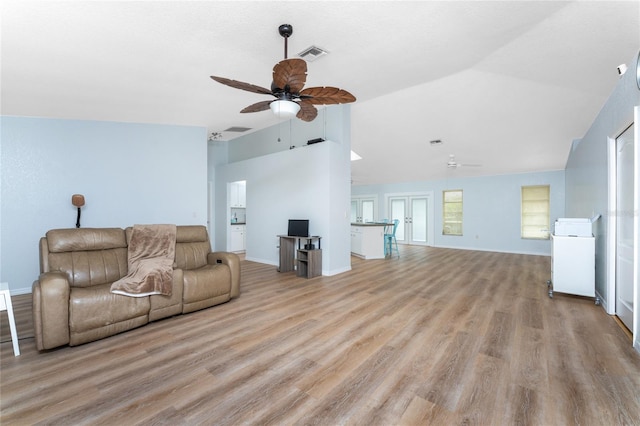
x=306, y=262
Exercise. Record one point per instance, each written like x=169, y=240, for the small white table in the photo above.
x=5, y=305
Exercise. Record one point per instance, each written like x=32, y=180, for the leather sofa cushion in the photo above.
x=96, y=307
x=65, y=240
x=78, y=338
x=89, y=268
x=87, y=256
x=205, y=283
x=192, y=247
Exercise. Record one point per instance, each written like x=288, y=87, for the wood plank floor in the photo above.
x=438, y=337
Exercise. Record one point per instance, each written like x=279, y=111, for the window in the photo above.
x=452, y=212
x=535, y=212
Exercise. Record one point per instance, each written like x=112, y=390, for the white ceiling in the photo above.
x=504, y=84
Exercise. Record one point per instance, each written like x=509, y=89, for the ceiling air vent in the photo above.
x=237, y=129
x=312, y=53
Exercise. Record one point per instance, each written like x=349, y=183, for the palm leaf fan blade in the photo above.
x=290, y=72
x=327, y=96
x=257, y=107
x=307, y=111
x=241, y=85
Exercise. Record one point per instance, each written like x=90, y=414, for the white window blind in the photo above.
x=535, y=212
x=452, y=212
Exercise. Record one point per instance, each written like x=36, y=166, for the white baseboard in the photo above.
x=257, y=260
x=336, y=271
x=324, y=271
x=604, y=304
x=18, y=291
x=494, y=250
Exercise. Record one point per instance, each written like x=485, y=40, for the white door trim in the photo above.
x=610, y=305
x=610, y=301
x=636, y=229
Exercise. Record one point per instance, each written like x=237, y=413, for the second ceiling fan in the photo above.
x=287, y=87
x=453, y=164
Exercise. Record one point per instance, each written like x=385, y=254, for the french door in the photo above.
x=415, y=215
x=363, y=208
x=624, y=226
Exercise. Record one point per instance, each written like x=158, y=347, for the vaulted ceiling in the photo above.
x=507, y=85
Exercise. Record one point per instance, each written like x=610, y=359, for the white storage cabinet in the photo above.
x=238, y=194
x=573, y=266
x=238, y=238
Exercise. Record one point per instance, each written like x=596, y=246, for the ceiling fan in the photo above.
x=453, y=164
x=289, y=77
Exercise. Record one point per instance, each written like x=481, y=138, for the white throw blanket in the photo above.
x=150, y=259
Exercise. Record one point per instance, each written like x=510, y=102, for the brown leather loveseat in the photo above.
x=72, y=301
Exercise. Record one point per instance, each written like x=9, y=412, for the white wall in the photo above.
x=128, y=173
x=491, y=209
x=283, y=135
x=292, y=184
x=217, y=154
x=306, y=182
x=337, y=124
x=587, y=189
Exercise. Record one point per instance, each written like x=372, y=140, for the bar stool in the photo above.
x=5, y=305
x=390, y=241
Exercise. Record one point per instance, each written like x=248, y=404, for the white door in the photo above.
x=413, y=214
x=398, y=210
x=624, y=227
x=363, y=209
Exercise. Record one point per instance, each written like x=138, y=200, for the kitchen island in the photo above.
x=367, y=239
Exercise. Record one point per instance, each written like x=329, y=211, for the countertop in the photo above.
x=371, y=223
x=238, y=223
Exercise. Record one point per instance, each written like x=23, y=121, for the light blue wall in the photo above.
x=128, y=173
x=491, y=209
x=587, y=187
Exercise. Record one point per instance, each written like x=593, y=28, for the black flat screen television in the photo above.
x=298, y=228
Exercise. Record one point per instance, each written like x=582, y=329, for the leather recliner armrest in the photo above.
x=233, y=261
x=50, y=295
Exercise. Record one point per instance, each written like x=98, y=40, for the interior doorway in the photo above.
x=237, y=216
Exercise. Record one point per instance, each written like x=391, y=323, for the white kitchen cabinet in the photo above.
x=238, y=238
x=367, y=240
x=356, y=240
x=573, y=266
x=238, y=194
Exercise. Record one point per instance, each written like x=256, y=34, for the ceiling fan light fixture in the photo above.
x=284, y=108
